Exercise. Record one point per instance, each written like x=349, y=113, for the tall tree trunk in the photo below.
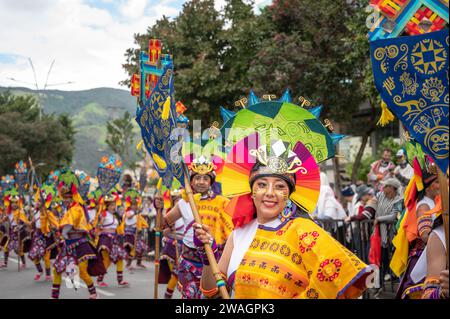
x=337, y=177
x=359, y=155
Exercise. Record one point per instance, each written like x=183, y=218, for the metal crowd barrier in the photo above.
x=355, y=236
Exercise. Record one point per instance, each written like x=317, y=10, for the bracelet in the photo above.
x=432, y=288
x=424, y=224
x=204, y=257
x=210, y=293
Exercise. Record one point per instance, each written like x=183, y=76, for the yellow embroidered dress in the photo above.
x=212, y=213
x=296, y=259
x=78, y=246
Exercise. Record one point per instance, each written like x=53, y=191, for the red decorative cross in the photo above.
x=135, y=85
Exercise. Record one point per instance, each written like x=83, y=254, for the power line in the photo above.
x=37, y=86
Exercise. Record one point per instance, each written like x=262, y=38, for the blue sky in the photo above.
x=87, y=39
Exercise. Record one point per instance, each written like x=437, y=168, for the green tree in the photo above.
x=120, y=139
x=23, y=135
x=359, y=55
x=302, y=49
x=212, y=52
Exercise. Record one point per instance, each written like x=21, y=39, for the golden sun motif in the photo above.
x=429, y=56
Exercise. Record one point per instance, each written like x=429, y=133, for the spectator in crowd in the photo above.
x=364, y=194
x=403, y=171
x=328, y=208
x=349, y=197
x=359, y=183
x=380, y=170
x=384, y=210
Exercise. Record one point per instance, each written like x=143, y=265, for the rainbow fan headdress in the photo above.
x=296, y=165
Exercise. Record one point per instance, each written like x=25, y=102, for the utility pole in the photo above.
x=40, y=107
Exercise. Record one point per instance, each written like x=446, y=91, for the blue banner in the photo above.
x=156, y=131
x=411, y=74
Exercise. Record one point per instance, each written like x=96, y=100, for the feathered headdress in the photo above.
x=12, y=195
x=94, y=197
x=53, y=177
x=85, y=184
x=68, y=183
x=7, y=182
x=48, y=192
x=132, y=196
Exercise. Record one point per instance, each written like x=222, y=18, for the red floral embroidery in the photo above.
x=329, y=269
x=246, y=278
x=264, y=282
x=281, y=231
x=282, y=289
x=312, y=294
x=307, y=241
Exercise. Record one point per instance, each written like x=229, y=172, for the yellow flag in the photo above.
x=166, y=109
x=399, y=260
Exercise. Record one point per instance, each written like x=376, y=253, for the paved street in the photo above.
x=20, y=285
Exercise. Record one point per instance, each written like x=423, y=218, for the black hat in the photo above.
x=347, y=191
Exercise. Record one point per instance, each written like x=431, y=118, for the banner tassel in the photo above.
x=166, y=109
x=386, y=115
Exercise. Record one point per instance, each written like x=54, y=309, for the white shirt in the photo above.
x=12, y=221
x=37, y=219
x=187, y=218
x=109, y=221
x=91, y=214
x=421, y=268
x=427, y=201
x=179, y=228
x=131, y=222
x=406, y=172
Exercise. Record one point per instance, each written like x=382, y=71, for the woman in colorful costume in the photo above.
x=134, y=224
x=211, y=208
x=111, y=237
x=172, y=243
x=273, y=251
x=92, y=206
x=76, y=250
x=434, y=265
x=46, y=234
x=418, y=223
x=18, y=238
x=6, y=183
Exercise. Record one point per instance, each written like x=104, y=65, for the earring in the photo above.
x=287, y=211
x=210, y=192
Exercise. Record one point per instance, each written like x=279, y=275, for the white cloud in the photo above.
x=87, y=43
x=87, y=38
x=133, y=8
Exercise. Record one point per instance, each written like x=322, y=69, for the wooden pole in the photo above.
x=209, y=253
x=157, y=240
x=18, y=240
x=443, y=185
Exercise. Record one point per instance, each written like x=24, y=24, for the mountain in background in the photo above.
x=90, y=110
